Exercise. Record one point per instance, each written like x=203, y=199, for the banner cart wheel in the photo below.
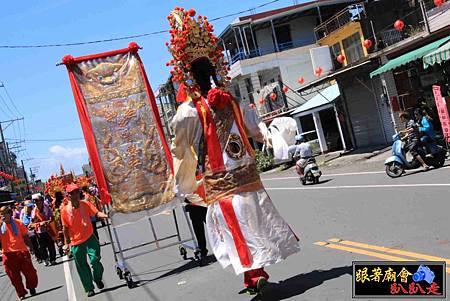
x=119, y=273
x=183, y=252
x=129, y=280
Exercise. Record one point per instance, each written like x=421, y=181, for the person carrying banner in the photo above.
x=79, y=234
x=16, y=258
x=244, y=228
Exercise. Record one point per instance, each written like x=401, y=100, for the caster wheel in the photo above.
x=129, y=280
x=119, y=273
x=183, y=253
x=197, y=255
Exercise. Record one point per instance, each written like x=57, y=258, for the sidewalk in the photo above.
x=373, y=156
x=355, y=157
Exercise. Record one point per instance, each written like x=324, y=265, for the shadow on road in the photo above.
x=324, y=181
x=46, y=291
x=299, y=284
x=192, y=264
x=420, y=170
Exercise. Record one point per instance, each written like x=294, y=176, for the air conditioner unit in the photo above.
x=321, y=58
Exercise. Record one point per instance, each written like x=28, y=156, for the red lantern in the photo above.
x=368, y=44
x=318, y=71
x=301, y=80
x=438, y=2
x=341, y=58
x=285, y=89
x=273, y=96
x=261, y=101
x=399, y=25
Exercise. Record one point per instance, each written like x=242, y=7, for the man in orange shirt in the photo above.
x=78, y=232
x=16, y=257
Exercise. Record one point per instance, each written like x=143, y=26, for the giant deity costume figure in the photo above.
x=244, y=228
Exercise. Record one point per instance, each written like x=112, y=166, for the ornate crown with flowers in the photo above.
x=53, y=185
x=192, y=39
x=83, y=181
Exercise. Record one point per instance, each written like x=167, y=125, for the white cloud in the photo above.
x=72, y=158
x=67, y=152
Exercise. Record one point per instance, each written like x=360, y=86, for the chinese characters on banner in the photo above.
x=398, y=279
x=122, y=129
x=441, y=107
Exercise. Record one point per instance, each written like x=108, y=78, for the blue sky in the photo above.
x=41, y=91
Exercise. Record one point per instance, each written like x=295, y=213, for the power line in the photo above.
x=2, y=85
x=50, y=140
x=251, y=10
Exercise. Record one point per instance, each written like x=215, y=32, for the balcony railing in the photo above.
x=414, y=26
x=350, y=14
x=260, y=51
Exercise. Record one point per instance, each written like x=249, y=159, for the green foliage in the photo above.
x=263, y=161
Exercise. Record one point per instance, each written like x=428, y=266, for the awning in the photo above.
x=325, y=97
x=409, y=57
x=438, y=56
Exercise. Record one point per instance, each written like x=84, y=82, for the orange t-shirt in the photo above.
x=11, y=242
x=80, y=230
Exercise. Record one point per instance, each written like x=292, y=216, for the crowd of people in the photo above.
x=40, y=225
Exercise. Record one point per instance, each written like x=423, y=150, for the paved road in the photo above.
x=355, y=208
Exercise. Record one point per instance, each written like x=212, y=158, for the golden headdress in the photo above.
x=191, y=39
x=83, y=181
x=53, y=185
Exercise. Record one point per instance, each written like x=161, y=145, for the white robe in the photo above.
x=267, y=236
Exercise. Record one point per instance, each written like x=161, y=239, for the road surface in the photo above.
x=351, y=215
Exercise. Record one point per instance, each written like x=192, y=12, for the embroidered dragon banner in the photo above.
x=122, y=129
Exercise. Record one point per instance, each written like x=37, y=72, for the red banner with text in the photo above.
x=441, y=107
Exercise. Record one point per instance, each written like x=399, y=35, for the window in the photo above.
x=336, y=50
x=284, y=38
x=353, y=48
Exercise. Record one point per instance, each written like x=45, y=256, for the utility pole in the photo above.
x=25, y=176
x=6, y=153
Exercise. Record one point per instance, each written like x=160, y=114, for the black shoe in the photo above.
x=91, y=293
x=100, y=285
x=32, y=291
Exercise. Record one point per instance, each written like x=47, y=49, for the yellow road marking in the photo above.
x=365, y=252
x=394, y=251
x=342, y=245
x=321, y=243
x=334, y=240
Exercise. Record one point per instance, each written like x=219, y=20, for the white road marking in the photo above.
x=339, y=174
x=69, y=280
x=329, y=175
x=362, y=186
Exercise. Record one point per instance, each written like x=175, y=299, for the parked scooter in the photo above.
x=397, y=163
x=311, y=173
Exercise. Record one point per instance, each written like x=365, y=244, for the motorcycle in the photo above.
x=311, y=172
x=433, y=155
